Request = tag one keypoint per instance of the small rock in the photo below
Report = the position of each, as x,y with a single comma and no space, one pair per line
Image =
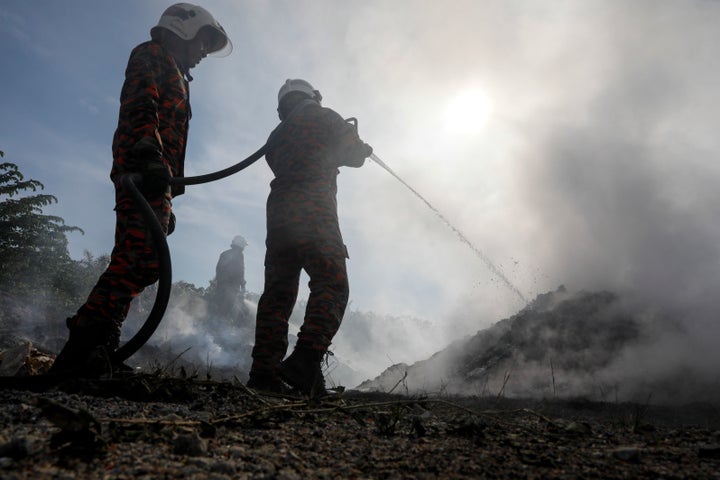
189,444
236,451
17,449
223,467
709,451
627,454
288,474
581,428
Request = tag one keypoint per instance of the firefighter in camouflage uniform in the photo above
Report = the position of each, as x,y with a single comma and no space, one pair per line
150,140
303,232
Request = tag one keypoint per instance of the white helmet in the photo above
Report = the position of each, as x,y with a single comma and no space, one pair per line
298,85
239,241
185,20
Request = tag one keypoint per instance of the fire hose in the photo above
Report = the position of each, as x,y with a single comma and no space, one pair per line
130,183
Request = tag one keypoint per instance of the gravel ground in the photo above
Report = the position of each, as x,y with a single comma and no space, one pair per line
147,427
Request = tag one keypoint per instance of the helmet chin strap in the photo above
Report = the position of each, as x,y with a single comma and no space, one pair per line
182,63
186,54
184,70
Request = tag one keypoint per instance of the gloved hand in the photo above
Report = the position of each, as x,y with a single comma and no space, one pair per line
148,157
155,178
368,150
171,224
147,150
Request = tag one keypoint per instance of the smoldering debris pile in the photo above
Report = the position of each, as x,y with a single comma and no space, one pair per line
587,344
596,345
24,359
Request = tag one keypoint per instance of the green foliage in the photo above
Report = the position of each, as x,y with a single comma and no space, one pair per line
33,246
187,289
35,265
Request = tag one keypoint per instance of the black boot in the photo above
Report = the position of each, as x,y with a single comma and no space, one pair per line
303,370
87,353
266,382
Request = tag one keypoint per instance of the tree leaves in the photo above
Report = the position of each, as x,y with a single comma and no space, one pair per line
34,258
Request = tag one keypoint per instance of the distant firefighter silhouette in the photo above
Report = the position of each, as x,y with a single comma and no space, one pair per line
230,284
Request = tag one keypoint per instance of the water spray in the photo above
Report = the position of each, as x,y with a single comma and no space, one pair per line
493,268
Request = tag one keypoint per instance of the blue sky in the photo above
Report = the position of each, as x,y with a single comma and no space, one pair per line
596,166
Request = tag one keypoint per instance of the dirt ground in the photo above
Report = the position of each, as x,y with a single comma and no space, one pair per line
147,427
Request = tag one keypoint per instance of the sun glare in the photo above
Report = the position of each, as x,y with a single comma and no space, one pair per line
468,111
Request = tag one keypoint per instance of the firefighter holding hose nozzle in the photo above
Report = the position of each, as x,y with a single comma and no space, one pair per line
303,233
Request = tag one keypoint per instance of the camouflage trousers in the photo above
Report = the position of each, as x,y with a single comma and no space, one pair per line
133,264
329,292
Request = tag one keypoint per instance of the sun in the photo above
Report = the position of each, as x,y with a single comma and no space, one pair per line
468,111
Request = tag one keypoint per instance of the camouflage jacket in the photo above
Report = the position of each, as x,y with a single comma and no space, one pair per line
154,102
305,153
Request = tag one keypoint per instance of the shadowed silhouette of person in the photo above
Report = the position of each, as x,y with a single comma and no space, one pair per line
230,284
306,152
150,141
